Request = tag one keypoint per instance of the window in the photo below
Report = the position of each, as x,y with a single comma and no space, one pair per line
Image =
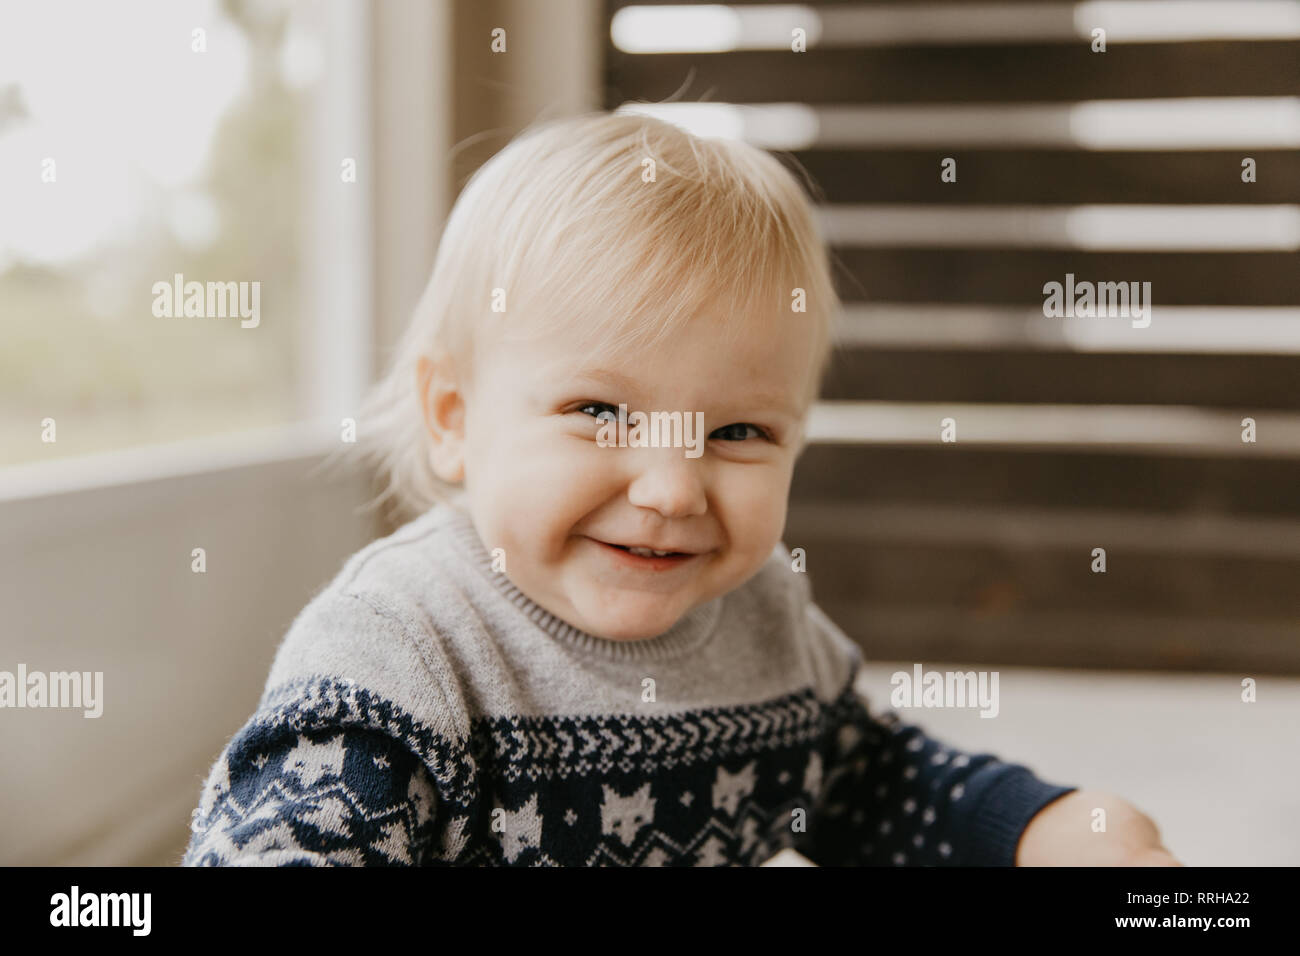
199,158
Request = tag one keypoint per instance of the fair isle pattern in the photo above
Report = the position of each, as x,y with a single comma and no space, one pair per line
321,703
544,748
328,773
342,798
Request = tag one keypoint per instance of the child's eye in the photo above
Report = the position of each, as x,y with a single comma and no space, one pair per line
605,411
725,429
735,432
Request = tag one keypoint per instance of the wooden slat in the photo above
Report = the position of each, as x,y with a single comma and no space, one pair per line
1099,640
986,583
1003,576
1249,382
952,474
1051,176
1020,529
1017,276
961,74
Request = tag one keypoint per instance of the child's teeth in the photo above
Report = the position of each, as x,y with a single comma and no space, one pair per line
648,552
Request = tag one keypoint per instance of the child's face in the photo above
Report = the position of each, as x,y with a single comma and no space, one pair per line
540,486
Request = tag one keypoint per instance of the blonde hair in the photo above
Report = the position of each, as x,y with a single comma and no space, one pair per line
614,228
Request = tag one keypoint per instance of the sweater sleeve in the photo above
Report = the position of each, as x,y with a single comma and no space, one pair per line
891,795
331,796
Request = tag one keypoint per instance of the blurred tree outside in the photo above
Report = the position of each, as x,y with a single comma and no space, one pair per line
78,340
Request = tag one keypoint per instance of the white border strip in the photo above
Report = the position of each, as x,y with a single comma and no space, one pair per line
718,28
1127,226
1211,330
1173,123
148,463
1151,428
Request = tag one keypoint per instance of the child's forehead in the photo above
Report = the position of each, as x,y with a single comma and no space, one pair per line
665,327
708,366
634,347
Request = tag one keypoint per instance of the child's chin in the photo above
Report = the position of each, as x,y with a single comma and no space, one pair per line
639,629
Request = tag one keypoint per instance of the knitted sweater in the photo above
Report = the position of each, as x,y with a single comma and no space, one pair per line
422,710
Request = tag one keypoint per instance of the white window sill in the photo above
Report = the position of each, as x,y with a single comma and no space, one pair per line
154,463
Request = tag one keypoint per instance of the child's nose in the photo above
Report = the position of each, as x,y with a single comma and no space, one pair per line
669,482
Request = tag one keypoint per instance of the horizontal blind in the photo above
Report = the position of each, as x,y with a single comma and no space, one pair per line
1073,432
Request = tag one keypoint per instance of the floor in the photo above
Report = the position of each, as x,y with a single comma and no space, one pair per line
1220,777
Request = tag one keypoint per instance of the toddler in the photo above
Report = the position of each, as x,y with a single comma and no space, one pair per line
583,651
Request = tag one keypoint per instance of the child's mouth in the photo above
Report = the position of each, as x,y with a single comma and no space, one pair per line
645,558
647,552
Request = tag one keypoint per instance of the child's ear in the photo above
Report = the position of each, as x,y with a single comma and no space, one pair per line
443,405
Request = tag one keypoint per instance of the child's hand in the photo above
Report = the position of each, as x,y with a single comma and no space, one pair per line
1062,834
